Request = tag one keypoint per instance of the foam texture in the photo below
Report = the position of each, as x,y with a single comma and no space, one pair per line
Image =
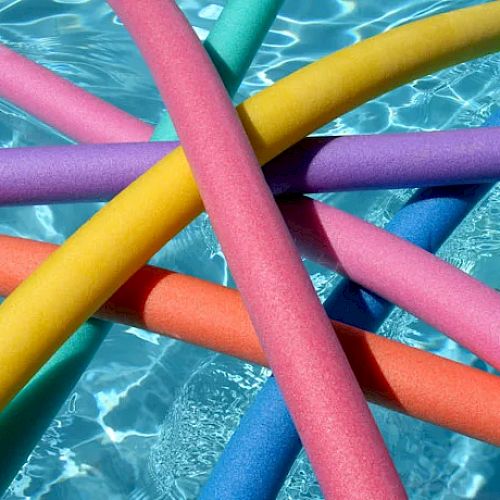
391,267
322,393
75,112
98,172
75,354
37,175
79,277
388,161
212,316
27,416
231,44
427,220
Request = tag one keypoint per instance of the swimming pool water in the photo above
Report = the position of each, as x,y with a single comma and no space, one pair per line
150,416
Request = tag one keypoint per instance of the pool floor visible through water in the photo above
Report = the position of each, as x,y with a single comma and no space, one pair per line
151,415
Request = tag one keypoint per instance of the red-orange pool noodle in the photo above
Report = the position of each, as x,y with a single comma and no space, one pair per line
391,374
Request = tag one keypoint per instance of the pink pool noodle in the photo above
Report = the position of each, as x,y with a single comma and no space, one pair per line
63,105
337,429
445,297
97,172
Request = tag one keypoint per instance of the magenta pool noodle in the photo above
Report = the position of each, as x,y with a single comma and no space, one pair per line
73,356
34,170
260,453
319,164
335,424
64,105
448,299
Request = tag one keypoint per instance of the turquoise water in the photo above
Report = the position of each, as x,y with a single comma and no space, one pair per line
150,416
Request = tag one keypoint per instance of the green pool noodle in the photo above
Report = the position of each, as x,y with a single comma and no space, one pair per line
232,44
28,415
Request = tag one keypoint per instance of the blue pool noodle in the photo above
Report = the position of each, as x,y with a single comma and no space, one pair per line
259,455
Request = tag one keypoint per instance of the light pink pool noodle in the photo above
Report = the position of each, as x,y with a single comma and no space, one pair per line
63,105
335,424
443,296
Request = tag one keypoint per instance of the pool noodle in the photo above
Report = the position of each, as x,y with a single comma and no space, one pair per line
387,161
84,274
438,291
74,112
77,351
33,87
232,44
319,164
246,469
86,118
87,172
320,388
27,416
213,316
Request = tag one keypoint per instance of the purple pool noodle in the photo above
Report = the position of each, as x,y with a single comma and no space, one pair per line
387,161
66,173
322,164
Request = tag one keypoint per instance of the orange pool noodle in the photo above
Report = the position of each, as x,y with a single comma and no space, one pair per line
405,379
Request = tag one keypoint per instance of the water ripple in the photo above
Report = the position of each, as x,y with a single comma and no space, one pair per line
150,416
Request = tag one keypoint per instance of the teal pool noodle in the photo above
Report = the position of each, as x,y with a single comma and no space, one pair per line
232,44
28,415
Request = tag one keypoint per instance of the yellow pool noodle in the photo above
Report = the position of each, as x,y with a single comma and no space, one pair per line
79,277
